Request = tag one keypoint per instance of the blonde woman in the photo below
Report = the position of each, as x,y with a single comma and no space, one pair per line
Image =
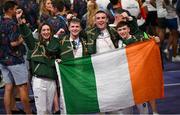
46,10
92,8
88,18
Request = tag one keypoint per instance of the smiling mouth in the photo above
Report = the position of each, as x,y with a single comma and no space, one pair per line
46,36
101,23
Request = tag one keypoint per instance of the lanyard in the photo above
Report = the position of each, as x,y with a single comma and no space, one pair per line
76,44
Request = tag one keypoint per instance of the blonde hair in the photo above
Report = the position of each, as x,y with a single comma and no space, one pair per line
43,9
92,8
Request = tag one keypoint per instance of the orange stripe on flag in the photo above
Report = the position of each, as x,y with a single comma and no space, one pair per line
146,71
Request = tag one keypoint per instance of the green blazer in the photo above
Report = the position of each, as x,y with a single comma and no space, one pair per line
140,36
61,47
93,33
41,65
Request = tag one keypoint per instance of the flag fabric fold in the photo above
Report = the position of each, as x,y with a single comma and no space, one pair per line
111,81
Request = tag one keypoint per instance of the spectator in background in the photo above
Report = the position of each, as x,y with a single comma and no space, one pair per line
46,10
102,5
88,19
134,7
151,20
58,21
172,25
31,9
178,9
161,31
67,4
79,8
12,64
1,9
112,6
31,13
161,14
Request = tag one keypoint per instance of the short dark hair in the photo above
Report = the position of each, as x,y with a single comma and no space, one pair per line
121,24
114,2
8,5
75,20
58,4
101,11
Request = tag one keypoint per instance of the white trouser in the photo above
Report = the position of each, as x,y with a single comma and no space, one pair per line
143,108
44,91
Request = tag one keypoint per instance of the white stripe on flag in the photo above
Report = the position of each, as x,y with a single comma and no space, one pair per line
113,90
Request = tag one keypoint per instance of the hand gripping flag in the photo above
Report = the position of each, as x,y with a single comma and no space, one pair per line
111,81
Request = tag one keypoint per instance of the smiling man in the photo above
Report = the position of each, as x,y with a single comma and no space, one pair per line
71,45
123,30
101,38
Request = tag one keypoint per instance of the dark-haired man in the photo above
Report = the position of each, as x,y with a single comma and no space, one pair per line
12,64
101,38
58,21
69,46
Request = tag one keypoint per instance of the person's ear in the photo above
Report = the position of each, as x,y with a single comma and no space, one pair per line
129,29
107,20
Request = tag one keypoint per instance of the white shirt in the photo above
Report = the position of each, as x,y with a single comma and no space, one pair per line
132,6
134,9
149,6
78,51
102,4
104,42
171,11
161,11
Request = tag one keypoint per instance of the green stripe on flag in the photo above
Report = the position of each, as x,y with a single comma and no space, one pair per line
79,86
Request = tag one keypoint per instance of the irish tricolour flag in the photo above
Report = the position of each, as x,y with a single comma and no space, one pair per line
112,80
